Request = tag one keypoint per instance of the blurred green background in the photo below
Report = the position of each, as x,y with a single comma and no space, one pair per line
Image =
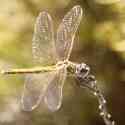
100,43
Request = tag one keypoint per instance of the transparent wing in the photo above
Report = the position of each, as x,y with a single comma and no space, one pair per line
53,97
66,32
43,40
34,89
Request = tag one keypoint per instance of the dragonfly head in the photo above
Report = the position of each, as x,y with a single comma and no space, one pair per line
82,70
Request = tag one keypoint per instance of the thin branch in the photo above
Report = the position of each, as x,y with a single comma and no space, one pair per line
90,83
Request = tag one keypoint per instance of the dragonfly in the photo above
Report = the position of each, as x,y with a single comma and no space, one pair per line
51,51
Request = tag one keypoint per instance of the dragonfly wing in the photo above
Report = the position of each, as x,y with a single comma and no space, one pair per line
34,89
66,32
43,40
53,97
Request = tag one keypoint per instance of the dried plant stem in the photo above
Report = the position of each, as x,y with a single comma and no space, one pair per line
90,83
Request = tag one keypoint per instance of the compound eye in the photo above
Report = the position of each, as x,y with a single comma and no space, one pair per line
82,70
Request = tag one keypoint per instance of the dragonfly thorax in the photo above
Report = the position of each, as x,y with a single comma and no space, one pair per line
70,66
62,63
